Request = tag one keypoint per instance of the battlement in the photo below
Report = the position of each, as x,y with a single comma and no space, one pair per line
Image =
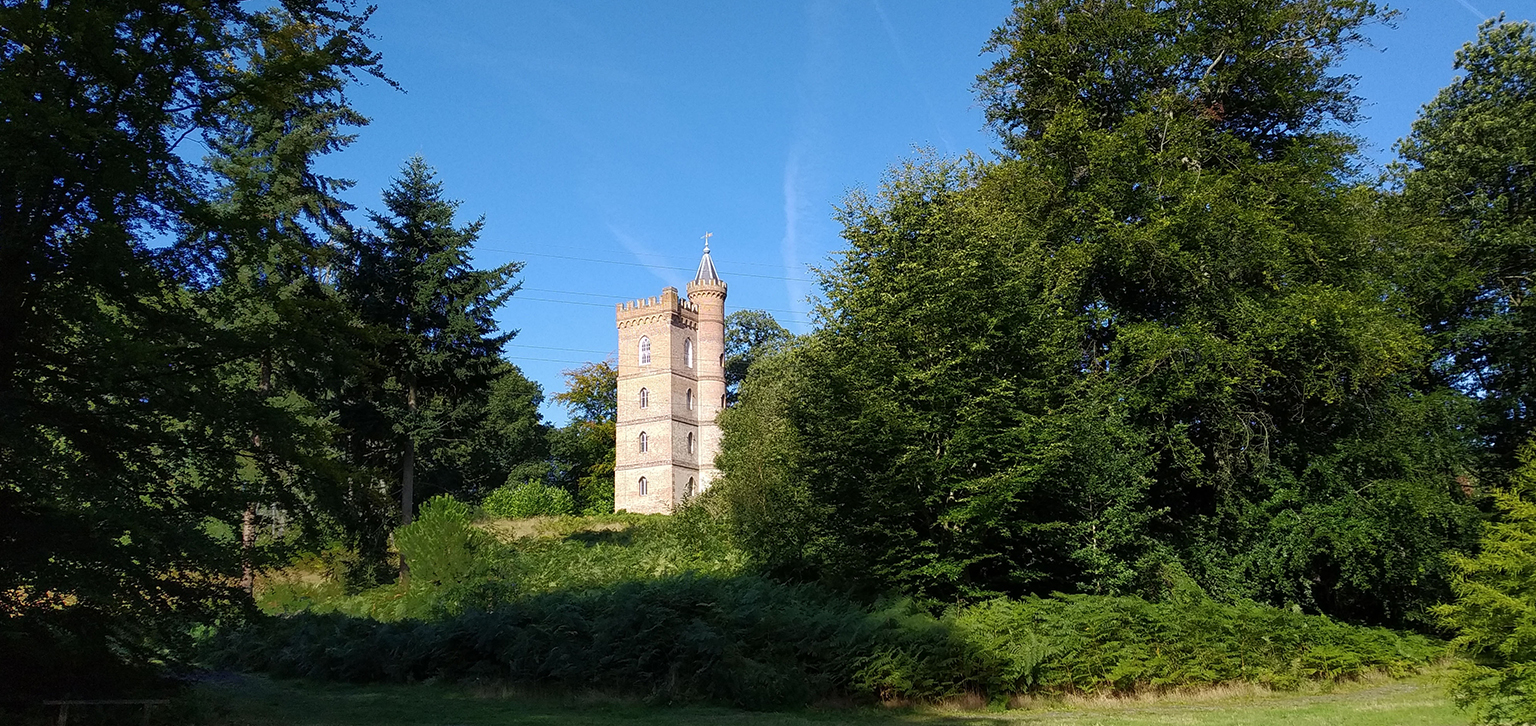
667,303
646,304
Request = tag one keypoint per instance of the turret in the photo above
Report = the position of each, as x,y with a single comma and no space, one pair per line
707,291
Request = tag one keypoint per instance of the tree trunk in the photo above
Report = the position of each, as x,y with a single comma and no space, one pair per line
408,477
248,518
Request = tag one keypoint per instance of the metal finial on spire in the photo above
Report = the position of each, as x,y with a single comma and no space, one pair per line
706,265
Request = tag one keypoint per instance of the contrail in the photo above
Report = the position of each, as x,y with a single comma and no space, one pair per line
1480,14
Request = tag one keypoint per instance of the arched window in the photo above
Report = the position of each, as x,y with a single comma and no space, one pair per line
689,399
645,351
645,398
688,488
722,360
690,444
644,444
688,352
643,487
722,400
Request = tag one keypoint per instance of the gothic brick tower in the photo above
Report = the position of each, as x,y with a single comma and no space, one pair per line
671,388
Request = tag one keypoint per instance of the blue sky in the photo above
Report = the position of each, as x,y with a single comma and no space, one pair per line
601,140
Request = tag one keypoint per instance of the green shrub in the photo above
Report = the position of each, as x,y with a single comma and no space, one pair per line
662,606
529,499
1495,609
440,546
745,641
757,643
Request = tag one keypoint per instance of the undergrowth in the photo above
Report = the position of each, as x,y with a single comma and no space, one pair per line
664,608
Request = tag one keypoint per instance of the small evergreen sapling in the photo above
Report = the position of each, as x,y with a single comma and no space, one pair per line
1495,608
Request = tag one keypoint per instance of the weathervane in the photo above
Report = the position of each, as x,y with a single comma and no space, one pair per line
706,237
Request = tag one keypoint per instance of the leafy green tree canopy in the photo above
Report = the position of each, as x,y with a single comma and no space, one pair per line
749,336
1470,161
121,427
1155,338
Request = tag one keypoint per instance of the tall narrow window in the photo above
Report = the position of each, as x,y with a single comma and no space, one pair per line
689,399
690,442
644,444
722,400
688,352
643,487
645,351
645,398
688,489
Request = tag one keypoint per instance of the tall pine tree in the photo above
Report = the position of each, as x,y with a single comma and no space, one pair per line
264,241
437,349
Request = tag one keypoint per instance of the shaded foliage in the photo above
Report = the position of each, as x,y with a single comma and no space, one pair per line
121,424
1158,332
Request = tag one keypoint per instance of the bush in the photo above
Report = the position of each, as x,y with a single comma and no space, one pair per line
529,499
757,643
1495,609
440,547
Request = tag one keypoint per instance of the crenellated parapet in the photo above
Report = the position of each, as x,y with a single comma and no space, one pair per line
666,307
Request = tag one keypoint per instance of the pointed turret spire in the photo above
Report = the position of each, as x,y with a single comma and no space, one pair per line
706,265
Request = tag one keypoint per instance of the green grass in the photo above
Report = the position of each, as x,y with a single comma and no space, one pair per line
258,701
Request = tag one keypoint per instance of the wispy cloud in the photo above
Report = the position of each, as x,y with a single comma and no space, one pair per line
789,247
906,64
644,255
1480,14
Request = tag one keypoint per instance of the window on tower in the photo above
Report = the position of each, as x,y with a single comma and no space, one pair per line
645,398
688,352
690,442
645,351
688,490
689,399
643,487
644,444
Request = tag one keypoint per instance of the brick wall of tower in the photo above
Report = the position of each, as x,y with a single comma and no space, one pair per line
667,420
710,299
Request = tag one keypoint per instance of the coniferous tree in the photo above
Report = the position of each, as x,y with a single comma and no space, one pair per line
119,428
1494,612
264,241
437,350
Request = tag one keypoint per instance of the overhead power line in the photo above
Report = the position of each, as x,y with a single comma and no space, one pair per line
568,350
629,263
617,300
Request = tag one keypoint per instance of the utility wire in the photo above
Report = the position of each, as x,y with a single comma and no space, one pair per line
628,263
621,300
797,319
568,350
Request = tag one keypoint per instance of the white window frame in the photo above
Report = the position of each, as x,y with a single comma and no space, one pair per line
645,398
644,487
645,443
645,350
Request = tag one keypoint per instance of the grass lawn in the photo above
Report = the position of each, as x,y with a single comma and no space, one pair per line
259,701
